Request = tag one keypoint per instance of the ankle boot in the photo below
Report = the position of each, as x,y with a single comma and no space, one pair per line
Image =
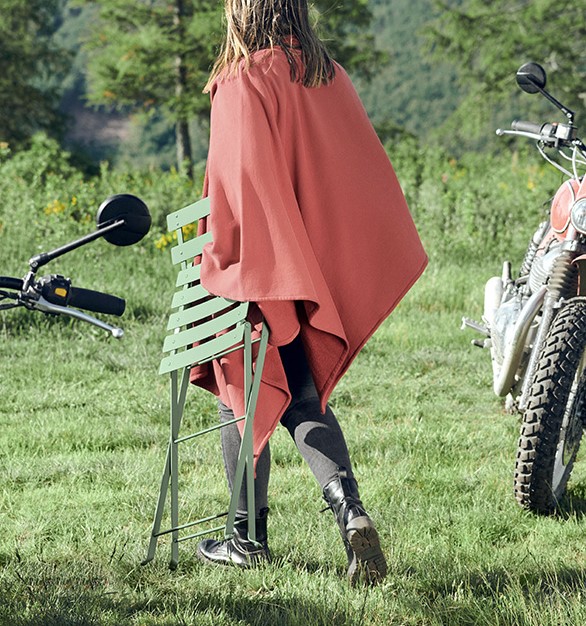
365,558
239,550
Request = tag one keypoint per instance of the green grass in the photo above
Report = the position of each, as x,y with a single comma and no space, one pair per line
83,425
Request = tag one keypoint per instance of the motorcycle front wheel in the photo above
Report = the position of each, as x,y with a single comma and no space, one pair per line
556,409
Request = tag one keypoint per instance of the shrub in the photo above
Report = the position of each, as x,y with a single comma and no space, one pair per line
476,206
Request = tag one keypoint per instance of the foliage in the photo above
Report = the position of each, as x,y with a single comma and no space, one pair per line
463,207
155,56
47,202
488,41
31,65
135,48
410,89
478,205
346,29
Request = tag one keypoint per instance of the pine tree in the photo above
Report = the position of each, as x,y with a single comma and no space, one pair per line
157,54
30,66
489,40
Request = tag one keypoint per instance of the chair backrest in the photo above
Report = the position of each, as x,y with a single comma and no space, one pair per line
202,326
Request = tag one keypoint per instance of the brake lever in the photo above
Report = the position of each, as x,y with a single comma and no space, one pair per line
45,306
6,295
521,133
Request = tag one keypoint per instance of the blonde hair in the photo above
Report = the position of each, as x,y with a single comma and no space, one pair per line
253,25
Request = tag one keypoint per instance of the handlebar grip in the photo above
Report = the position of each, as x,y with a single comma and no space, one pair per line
96,301
7,282
527,127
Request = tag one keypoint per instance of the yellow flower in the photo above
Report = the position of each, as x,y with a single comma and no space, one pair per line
189,230
164,240
54,208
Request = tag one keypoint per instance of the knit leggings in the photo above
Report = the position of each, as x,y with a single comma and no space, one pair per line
317,436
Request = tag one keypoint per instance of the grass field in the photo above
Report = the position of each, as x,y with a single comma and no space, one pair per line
83,425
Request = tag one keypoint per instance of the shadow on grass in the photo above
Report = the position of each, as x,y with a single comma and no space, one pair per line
573,505
46,594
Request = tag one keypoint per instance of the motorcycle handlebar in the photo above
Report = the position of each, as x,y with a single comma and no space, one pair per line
528,127
96,301
7,282
87,299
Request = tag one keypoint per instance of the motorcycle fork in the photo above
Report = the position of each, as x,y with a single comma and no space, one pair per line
563,283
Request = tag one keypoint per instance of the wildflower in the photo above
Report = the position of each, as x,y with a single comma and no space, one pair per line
189,230
164,240
54,208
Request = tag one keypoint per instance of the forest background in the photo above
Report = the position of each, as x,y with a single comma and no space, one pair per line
116,86
95,99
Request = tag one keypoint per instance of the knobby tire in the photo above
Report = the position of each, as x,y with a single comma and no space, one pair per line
540,481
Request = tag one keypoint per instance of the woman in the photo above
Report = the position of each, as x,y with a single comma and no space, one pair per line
310,224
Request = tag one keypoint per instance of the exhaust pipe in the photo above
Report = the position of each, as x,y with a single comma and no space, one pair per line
493,295
505,376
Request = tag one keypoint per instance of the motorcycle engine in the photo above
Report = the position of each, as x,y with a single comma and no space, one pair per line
541,268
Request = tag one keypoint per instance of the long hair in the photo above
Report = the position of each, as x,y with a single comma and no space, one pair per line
253,25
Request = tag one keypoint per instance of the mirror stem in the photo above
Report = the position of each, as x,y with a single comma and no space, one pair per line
569,114
45,257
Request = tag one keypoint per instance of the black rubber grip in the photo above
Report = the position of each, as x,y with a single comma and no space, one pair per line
96,301
7,282
527,127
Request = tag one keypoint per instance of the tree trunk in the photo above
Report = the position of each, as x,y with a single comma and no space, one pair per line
183,143
182,135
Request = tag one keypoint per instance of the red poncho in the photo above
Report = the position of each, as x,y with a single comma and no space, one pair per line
308,221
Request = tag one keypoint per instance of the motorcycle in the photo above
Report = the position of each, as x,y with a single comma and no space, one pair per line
534,323
122,220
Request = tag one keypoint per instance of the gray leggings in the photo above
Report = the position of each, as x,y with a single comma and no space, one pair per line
317,436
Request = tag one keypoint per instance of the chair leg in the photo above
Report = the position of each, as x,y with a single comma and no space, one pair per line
159,510
245,463
246,455
178,392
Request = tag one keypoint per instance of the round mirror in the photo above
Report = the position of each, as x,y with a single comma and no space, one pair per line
134,212
531,77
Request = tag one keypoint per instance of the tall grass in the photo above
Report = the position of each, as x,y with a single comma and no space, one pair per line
83,428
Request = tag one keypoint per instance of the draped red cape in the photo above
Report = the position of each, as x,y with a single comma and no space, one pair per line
308,221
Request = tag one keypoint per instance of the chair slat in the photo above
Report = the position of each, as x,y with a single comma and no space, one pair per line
189,249
189,296
206,329
188,275
188,214
202,352
198,312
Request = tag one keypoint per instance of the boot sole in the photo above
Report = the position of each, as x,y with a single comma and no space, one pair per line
368,562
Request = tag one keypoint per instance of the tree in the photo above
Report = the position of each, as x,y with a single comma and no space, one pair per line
345,28
490,39
156,55
30,66
150,55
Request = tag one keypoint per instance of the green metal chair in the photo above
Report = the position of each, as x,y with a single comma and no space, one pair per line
203,327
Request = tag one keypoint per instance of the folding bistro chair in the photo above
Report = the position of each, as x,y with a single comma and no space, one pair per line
203,327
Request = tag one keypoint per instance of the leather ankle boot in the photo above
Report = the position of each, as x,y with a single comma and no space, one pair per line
238,550
365,558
